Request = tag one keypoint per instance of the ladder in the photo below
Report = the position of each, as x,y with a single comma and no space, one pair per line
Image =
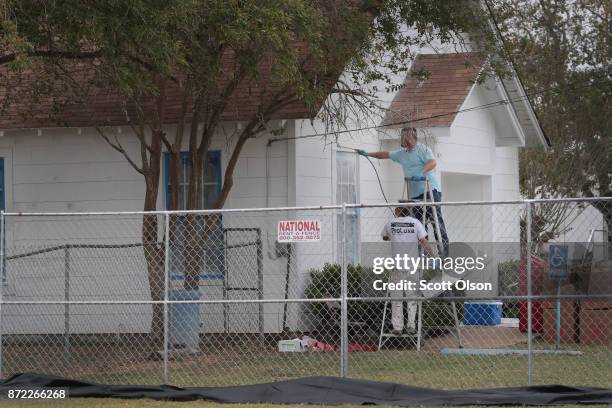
427,198
417,337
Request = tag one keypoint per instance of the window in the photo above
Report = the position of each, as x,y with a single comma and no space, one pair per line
213,260
346,192
211,184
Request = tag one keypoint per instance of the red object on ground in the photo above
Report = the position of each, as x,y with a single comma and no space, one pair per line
568,332
361,347
538,271
596,315
320,346
596,322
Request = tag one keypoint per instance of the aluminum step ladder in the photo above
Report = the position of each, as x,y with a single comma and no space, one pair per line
417,337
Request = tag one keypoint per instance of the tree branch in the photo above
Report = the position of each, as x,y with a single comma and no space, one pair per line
6,58
117,146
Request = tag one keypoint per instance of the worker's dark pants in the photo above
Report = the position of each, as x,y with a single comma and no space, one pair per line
417,212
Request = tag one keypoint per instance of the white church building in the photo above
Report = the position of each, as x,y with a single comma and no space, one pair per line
475,129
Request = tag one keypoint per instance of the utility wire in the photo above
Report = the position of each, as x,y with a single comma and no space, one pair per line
474,108
504,44
389,125
382,190
499,102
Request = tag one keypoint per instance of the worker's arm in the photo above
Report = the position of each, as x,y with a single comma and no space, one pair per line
422,237
427,157
425,245
377,155
385,232
429,166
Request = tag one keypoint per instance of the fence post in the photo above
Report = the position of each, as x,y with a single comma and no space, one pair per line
166,284
529,295
343,302
67,305
3,278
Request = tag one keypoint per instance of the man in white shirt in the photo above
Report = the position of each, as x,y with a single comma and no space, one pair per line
405,234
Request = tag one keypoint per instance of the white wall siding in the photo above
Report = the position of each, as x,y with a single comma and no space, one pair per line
66,170
61,170
585,219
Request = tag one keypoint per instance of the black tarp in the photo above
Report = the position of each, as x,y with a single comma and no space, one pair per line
322,390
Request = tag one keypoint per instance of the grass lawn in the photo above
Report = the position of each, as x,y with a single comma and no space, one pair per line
239,365
401,366
425,368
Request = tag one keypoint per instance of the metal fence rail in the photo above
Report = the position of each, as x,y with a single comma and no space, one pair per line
213,298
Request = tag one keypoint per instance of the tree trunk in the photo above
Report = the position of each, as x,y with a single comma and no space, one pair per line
193,251
153,247
193,247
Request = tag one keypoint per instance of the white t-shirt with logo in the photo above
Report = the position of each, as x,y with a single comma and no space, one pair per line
404,234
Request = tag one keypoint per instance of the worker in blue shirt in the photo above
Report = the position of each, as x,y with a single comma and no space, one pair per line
417,161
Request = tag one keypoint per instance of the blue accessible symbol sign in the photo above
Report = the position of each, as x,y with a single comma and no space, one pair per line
558,270
557,261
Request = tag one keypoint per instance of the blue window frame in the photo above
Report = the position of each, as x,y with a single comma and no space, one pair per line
213,259
211,184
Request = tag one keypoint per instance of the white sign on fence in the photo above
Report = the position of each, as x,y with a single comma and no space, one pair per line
299,231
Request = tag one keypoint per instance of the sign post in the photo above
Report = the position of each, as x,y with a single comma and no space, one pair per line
558,270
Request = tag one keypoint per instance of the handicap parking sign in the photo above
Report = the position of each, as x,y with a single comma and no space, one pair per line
557,261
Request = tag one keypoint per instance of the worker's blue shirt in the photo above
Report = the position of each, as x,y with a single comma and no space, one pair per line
412,162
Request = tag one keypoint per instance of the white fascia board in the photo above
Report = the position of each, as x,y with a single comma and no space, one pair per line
516,124
529,109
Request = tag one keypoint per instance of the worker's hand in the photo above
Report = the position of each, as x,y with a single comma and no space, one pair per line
362,153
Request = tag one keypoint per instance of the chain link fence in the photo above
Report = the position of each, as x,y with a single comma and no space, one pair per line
247,296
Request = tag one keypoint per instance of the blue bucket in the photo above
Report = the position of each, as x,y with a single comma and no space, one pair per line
184,320
482,313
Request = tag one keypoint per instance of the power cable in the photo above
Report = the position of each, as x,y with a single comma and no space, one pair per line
382,190
439,115
471,109
389,125
504,44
